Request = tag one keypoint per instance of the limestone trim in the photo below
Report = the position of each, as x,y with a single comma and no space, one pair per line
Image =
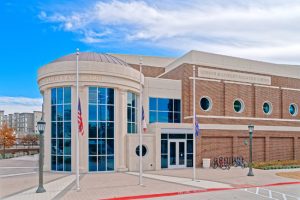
267,86
238,83
245,127
292,89
246,118
205,79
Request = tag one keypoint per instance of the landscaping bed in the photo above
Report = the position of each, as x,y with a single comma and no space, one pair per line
278,164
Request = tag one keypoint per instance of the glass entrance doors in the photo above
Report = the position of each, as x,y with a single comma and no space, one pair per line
177,155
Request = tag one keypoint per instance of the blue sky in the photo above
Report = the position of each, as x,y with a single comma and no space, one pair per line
37,32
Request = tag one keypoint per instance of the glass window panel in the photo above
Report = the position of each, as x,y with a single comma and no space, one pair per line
60,96
292,109
60,147
53,129
152,103
164,136
164,146
134,100
53,163
93,95
177,136
102,113
164,161
67,163
102,96
53,96
153,117
60,163
133,115
163,117
67,95
129,128
189,136
92,147
165,104
60,113
205,103
110,163
60,130
134,128
110,96
176,117
101,163
110,146
67,113
170,117
92,163
110,113
129,114
53,113
92,129
189,146
177,105
53,147
110,130
129,99
266,108
92,112
101,129
67,130
101,147
189,160
67,147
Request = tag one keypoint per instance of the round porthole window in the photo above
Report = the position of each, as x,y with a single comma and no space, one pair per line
205,103
293,109
144,150
267,108
238,106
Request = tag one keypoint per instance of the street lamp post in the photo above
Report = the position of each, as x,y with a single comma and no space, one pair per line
251,128
41,127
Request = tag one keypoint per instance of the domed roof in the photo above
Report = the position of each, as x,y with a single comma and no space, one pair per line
92,56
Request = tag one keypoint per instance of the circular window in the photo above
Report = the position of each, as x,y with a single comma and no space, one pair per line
267,108
144,150
238,106
293,109
205,103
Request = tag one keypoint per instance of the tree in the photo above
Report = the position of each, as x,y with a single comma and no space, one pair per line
7,137
29,139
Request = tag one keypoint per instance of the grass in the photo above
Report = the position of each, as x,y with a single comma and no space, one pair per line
294,175
278,164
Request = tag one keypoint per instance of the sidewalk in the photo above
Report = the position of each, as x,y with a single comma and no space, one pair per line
52,190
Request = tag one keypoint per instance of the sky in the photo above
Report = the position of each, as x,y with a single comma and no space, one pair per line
34,33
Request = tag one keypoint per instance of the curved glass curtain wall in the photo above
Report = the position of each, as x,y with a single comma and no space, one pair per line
61,129
101,129
131,113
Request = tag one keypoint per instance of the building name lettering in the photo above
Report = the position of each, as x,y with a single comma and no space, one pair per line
233,76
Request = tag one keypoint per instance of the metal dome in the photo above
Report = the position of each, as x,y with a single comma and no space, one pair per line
92,56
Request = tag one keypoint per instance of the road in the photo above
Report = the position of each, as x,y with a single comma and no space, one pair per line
283,192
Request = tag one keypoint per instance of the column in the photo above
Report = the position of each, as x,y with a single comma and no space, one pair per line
122,122
267,148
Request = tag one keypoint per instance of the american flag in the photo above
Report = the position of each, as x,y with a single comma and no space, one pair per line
197,127
143,120
80,122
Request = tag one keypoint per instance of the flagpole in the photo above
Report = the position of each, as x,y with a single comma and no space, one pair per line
140,126
194,126
77,125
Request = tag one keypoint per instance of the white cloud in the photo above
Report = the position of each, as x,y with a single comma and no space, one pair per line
266,30
20,104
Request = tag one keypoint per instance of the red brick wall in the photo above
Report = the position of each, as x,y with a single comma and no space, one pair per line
243,92
289,97
281,148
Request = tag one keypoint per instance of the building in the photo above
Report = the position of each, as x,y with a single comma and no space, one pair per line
231,93
22,123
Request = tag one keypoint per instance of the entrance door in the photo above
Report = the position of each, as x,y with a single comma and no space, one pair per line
177,154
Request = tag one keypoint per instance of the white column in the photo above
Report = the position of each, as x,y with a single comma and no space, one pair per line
122,122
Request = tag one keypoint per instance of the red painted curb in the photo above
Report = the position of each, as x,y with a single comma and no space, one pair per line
146,196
